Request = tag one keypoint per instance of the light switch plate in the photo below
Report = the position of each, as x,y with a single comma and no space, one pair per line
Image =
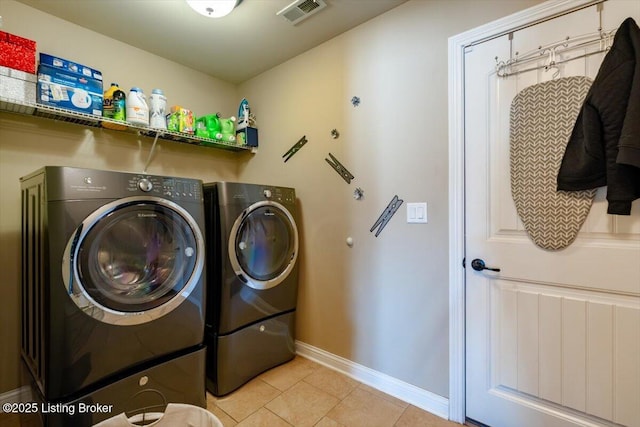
417,213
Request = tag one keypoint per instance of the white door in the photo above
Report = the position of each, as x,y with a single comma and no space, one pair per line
553,339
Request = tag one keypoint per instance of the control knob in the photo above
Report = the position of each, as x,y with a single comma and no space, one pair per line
267,194
145,185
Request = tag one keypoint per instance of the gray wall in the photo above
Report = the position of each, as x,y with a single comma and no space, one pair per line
382,303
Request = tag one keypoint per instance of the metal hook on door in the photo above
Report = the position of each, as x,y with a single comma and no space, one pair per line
552,63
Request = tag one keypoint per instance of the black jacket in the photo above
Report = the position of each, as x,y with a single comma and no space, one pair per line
604,148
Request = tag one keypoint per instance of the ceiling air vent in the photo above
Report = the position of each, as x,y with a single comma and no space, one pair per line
301,9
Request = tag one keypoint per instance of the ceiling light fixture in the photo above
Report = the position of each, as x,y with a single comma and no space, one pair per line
213,8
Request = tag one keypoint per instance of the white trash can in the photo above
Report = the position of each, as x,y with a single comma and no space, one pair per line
175,414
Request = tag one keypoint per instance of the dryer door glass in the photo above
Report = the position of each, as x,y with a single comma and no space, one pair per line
265,243
137,257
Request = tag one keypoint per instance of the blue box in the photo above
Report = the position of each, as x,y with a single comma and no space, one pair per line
69,91
71,67
247,137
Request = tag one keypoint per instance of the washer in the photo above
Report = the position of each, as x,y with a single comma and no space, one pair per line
252,252
112,275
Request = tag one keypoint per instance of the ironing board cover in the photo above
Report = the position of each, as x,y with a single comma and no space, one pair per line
176,414
542,117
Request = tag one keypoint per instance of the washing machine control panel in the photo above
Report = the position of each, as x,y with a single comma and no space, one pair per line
281,195
171,188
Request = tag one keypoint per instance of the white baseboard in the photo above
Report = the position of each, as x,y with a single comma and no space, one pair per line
17,395
416,396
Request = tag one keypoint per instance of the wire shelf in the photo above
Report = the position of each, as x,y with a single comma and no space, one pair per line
68,116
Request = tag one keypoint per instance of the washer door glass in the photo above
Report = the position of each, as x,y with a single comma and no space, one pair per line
265,245
133,260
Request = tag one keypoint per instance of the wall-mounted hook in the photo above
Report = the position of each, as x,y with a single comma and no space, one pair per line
552,65
358,193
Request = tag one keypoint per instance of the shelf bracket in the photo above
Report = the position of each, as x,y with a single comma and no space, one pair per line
151,152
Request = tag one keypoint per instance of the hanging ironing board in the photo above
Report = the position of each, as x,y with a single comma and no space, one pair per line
542,117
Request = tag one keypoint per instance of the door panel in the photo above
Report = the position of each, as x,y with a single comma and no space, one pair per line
551,338
560,345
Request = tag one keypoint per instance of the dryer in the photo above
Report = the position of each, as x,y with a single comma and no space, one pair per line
112,276
252,286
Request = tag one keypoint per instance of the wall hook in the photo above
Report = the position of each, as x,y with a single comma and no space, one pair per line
358,193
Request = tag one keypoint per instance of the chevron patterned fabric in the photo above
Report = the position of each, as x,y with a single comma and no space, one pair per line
541,120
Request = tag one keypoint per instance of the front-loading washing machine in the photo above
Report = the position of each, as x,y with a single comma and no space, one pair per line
252,281
112,276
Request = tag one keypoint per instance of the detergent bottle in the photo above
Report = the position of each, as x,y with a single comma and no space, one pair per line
137,108
227,130
114,106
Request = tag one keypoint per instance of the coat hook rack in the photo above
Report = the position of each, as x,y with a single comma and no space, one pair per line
603,39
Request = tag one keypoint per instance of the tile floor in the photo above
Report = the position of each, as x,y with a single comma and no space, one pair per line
304,393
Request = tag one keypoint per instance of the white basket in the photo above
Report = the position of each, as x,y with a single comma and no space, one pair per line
176,414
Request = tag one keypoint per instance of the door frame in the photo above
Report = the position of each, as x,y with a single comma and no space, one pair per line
457,46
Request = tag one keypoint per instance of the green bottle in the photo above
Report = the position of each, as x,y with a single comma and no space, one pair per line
119,106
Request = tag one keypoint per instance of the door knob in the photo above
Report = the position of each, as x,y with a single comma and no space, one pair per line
479,265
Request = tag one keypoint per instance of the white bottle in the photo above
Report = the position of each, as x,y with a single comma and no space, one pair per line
137,109
157,109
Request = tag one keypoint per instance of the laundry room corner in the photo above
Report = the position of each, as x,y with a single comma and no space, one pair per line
354,145
373,297
28,143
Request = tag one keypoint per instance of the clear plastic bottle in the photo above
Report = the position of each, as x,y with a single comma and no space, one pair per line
157,109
